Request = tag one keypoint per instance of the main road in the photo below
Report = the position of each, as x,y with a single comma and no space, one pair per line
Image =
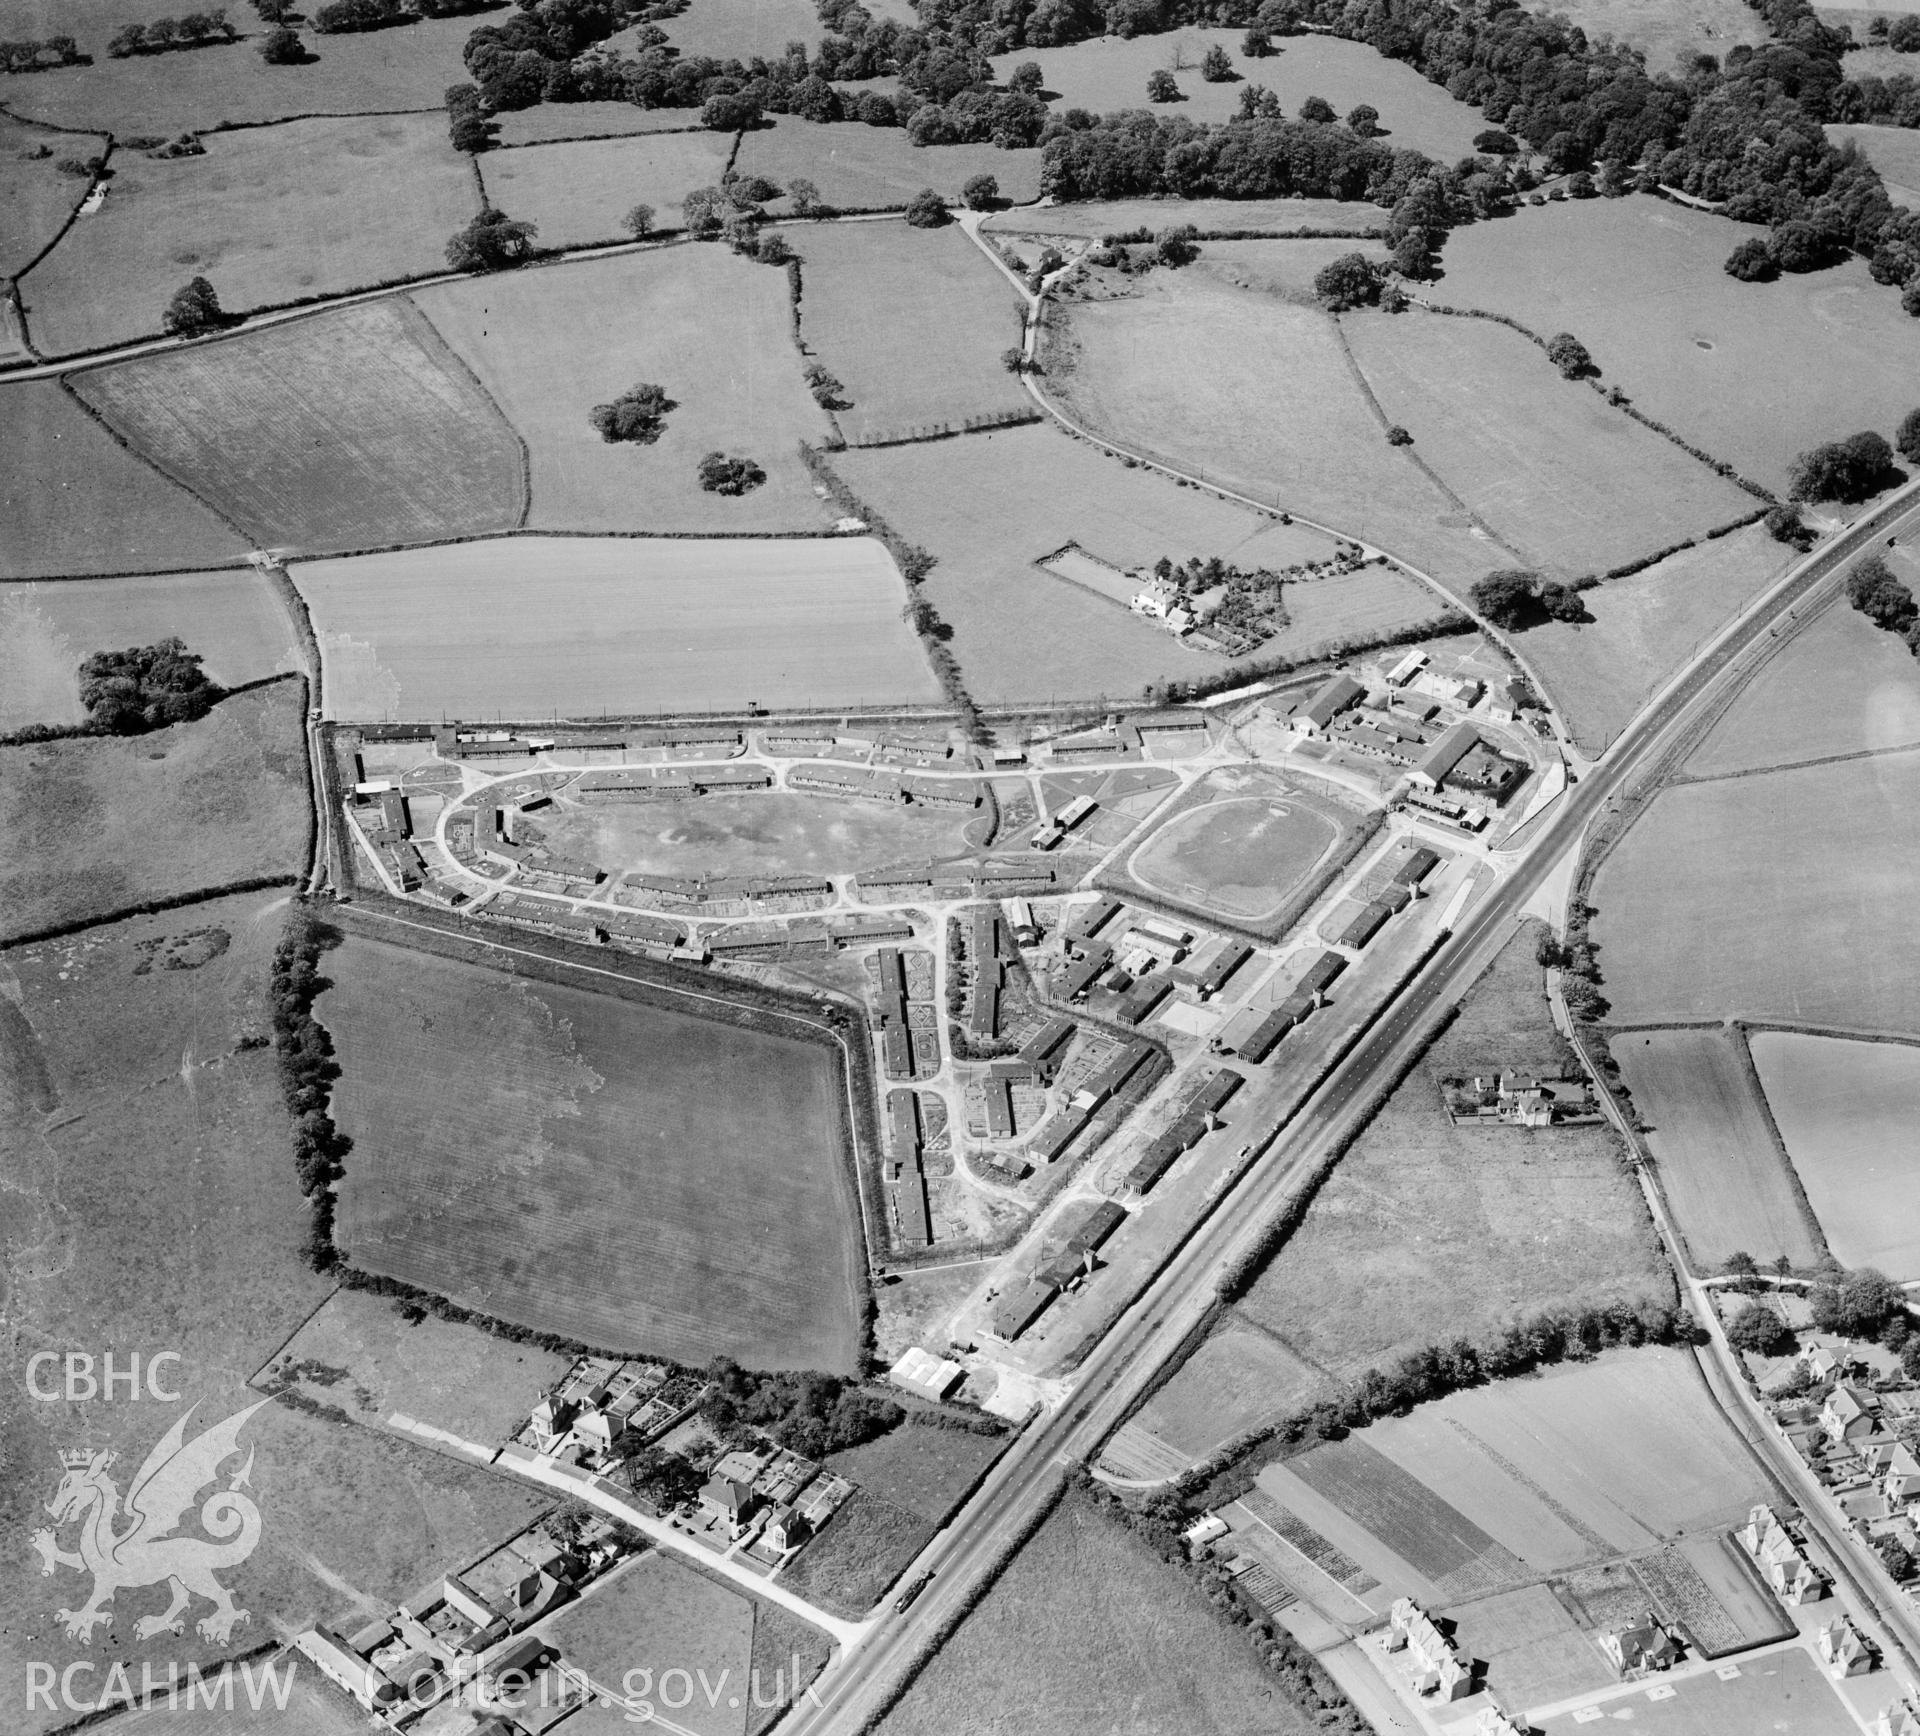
1150,1332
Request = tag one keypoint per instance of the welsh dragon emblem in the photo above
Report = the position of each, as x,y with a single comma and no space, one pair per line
139,1547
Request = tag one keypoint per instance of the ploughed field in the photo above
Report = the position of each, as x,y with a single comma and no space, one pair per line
630,1174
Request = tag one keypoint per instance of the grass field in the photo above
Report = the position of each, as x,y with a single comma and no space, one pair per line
1839,686
1891,150
1600,672
349,430
912,322
621,626
1847,1112
1257,395
73,500
1236,1380
758,832
36,196
1023,633
1533,1650
1665,29
922,1470
1782,1690
1773,879
92,826
740,29
1718,1163
1639,282
1561,476
272,215
1283,268
1087,1631
587,120
314,1708
381,71
231,618
590,1165
862,1550
712,328
1099,217
861,168
578,193
1111,73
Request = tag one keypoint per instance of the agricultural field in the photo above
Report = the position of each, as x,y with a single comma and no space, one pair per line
551,121
1846,1111
95,825
1891,150
1111,73
557,1157
269,216
622,625
1772,877
378,72
1098,217
38,196
712,328
1282,268
1601,672
1717,1156
1257,396
1639,282
231,618
74,500
1839,686
352,429
862,168
912,322
579,192
1088,1630
1545,462
1020,632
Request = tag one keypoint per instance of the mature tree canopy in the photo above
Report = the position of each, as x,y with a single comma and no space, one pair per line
1316,108
491,242
982,193
1507,598
1848,470
1758,1327
1753,261
1352,280
1882,598
1162,87
638,222
1907,436
281,46
1216,66
194,308
1363,119
720,474
927,210
146,687
1857,1304
638,414
1569,355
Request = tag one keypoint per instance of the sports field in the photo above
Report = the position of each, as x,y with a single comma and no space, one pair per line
578,193
1023,633
759,832
912,322
231,618
268,216
94,825
1892,151
1715,1153
1600,672
1240,856
621,625
1781,1690
1097,217
637,1177
861,168
1847,1112
1782,883
37,196
73,500
378,72
710,327
1639,282
1087,1631
1111,73
1545,461
1839,686
352,429
1257,395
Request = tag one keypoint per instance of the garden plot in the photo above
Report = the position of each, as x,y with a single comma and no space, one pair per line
622,625
352,429
579,193
231,618
862,168
74,500
913,322
268,215
1534,1651
1781,882
1847,1112
1560,475
1639,282
710,327
1720,1164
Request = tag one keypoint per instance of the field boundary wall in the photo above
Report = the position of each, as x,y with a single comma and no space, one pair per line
150,907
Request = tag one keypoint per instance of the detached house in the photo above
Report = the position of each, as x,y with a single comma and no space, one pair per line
1641,1650
1843,1649
1848,1414
730,1500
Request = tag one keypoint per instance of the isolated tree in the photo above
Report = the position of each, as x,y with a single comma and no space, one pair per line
720,474
1162,87
1216,66
1363,120
1178,246
1739,1264
1507,598
1352,280
638,415
281,46
752,190
773,250
1316,108
927,210
827,391
982,193
1759,1328
194,308
1257,44
1027,78
1398,436
1014,359
1894,1555
1848,470
146,687
804,196
638,222
1569,355
1753,261
493,241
